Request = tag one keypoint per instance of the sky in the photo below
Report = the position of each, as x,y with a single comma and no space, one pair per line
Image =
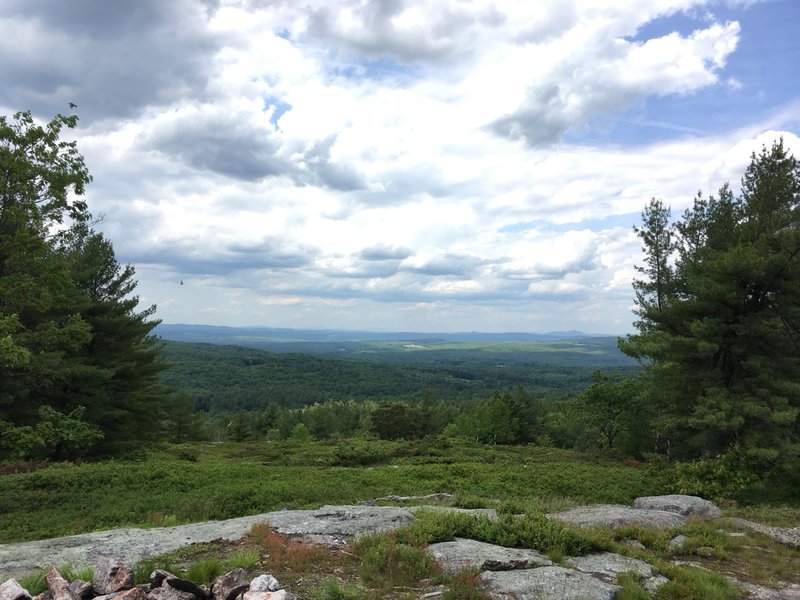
398,165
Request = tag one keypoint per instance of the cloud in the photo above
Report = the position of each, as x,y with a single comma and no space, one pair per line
618,73
404,31
212,138
392,164
113,59
381,252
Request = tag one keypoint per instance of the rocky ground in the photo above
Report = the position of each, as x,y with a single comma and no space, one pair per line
504,572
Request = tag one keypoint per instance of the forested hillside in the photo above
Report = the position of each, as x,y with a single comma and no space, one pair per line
226,378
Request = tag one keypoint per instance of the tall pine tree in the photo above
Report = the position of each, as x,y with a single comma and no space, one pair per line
721,352
70,334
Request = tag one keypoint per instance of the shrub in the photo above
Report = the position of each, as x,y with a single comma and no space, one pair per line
465,586
205,570
718,478
243,559
697,584
333,589
387,563
352,455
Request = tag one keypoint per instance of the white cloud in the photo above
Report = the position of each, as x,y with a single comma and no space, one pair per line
388,164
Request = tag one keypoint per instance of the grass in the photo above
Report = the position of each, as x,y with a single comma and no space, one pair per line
35,582
230,480
522,483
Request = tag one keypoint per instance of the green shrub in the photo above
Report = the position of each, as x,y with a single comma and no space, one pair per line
465,586
143,569
532,530
387,563
243,559
333,589
697,584
631,588
34,583
205,570
717,478
353,455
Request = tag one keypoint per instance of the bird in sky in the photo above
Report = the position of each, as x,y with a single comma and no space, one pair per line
73,106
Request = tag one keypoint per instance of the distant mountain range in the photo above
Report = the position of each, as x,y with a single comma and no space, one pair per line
215,334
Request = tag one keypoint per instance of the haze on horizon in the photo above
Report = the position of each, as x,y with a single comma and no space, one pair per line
395,165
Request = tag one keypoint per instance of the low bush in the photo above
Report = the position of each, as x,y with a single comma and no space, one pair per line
359,454
386,562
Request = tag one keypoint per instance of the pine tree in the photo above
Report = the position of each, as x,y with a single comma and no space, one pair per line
71,339
722,354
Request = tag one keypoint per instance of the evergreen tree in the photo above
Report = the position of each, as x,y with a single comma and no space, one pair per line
722,353
70,335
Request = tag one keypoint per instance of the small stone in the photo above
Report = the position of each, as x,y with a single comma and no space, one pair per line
706,551
677,543
157,578
276,595
12,590
111,575
59,586
132,594
636,544
82,589
230,585
190,587
166,592
265,583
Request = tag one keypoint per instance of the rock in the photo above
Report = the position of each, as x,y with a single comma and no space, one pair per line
651,584
546,583
230,585
82,589
789,536
265,583
462,553
277,595
435,497
635,544
12,590
760,592
134,545
677,543
58,586
615,516
489,513
111,575
190,587
705,551
609,566
688,506
340,520
158,577
166,592
132,594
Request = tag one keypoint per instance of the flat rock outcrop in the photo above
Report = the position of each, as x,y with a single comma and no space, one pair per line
131,545
615,516
464,553
789,536
546,583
